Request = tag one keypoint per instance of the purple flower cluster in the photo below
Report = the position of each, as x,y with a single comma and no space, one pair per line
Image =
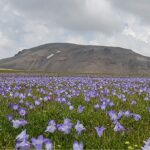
108,92
65,127
23,143
40,141
115,117
77,146
19,123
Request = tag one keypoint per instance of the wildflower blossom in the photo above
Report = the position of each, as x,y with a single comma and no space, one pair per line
80,108
15,106
18,123
22,111
96,106
77,146
22,141
10,117
118,127
133,102
79,127
51,127
22,136
38,143
71,107
127,113
23,145
113,115
65,127
37,102
48,144
147,145
137,117
100,130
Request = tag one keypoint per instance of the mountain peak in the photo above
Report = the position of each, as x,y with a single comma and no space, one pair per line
75,58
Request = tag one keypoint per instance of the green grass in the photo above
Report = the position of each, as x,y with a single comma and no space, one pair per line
2,70
136,131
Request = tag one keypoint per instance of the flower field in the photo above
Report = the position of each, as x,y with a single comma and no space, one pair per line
74,113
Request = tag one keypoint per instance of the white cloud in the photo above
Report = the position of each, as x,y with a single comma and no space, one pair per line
29,23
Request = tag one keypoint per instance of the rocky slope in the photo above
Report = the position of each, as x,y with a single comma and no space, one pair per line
65,57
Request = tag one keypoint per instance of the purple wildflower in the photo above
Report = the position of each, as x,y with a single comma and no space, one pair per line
37,102
51,127
48,144
22,111
113,115
96,106
79,127
147,145
118,127
77,146
22,136
66,126
111,104
10,117
127,113
23,145
31,106
21,96
21,101
15,106
133,102
120,114
21,141
106,92
103,106
80,108
18,123
16,94
87,98
137,117
38,143
100,130
27,104
71,107
124,99
146,98
45,98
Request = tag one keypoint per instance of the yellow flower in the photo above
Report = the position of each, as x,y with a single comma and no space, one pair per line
130,147
127,142
135,145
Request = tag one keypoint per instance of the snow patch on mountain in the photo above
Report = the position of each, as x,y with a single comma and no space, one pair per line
50,56
58,51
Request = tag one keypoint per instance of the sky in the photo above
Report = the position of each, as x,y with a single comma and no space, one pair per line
28,23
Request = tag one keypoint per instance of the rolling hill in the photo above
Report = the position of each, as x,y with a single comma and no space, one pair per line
73,58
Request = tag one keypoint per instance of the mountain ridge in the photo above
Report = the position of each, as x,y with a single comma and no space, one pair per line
69,57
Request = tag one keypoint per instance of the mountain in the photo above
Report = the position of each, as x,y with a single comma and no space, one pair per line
73,58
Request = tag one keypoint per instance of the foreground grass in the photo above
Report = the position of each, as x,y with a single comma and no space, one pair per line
136,131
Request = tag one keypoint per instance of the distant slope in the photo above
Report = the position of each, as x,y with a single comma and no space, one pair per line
65,57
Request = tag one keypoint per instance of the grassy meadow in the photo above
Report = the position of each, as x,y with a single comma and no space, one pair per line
120,105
